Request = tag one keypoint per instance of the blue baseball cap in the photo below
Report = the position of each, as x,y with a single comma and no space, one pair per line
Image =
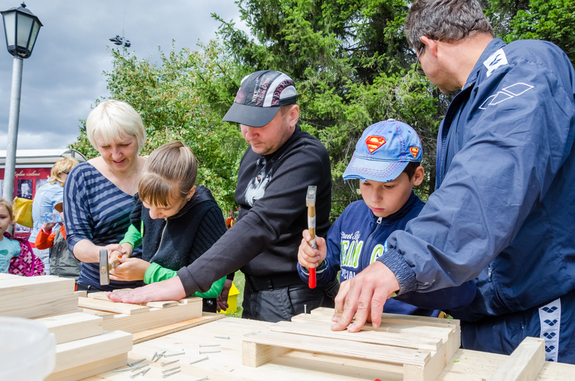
383,151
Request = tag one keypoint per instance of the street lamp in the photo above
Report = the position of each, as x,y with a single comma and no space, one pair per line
21,28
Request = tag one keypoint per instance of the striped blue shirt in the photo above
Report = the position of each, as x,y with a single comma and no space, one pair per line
97,210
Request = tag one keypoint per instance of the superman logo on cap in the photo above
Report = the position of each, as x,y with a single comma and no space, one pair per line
414,151
374,142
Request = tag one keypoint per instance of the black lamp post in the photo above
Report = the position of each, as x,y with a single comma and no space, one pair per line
21,28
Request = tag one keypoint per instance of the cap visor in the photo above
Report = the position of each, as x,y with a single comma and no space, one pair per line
381,171
250,115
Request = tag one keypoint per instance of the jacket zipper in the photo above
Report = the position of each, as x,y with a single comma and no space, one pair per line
370,238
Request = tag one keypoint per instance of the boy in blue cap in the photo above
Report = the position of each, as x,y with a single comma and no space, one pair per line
387,161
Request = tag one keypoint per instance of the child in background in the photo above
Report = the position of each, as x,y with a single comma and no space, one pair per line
387,161
62,262
173,220
16,255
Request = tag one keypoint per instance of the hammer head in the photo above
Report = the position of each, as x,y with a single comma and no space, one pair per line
104,268
311,195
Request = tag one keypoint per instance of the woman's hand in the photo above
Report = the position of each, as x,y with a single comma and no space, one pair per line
129,269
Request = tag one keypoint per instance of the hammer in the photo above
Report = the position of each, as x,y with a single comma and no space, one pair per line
310,203
106,266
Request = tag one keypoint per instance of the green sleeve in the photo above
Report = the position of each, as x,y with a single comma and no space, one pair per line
157,273
214,291
132,236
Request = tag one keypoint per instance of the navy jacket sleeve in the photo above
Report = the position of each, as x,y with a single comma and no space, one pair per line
512,151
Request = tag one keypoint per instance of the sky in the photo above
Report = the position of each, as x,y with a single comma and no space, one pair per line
64,75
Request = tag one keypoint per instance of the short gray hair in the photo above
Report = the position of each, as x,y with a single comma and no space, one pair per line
113,120
445,20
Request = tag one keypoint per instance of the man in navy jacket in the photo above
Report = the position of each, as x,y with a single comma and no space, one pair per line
504,203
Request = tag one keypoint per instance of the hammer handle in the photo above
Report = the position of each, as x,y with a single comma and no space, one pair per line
311,229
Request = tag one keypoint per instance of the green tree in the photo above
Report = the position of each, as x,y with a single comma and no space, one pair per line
183,98
352,68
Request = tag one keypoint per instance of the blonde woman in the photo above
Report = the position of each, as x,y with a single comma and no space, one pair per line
99,194
46,197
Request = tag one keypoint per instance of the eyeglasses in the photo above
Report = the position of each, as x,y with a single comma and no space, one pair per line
417,64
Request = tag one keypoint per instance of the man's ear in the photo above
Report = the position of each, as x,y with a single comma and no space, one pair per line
294,115
417,178
191,193
430,45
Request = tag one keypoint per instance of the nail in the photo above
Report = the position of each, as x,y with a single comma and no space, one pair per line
202,379
137,374
153,357
170,362
122,370
160,356
175,354
136,362
169,370
222,337
169,374
204,352
194,362
138,367
305,309
209,345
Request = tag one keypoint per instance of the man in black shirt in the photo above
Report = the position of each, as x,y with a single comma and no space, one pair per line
278,166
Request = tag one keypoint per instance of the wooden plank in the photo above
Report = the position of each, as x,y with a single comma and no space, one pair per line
109,306
524,364
103,314
175,327
321,329
337,347
90,369
74,326
85,351
154,317
103,295
33,306
254,354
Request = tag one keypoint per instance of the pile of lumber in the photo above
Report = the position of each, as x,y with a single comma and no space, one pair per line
83,347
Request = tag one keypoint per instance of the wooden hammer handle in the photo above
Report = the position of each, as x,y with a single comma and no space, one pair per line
311,229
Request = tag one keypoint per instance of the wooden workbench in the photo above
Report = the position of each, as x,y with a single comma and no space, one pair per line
227,364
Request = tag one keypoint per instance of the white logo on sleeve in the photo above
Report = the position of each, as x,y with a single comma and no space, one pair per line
505,94
494,61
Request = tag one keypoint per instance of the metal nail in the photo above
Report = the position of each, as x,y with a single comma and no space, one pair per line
169,374
194,362
305,309
175,354
222,337
169,362
145,371
137,374
202,379
204,352
122,370
138,367
160,356
169,370
154,356
136,362
209,345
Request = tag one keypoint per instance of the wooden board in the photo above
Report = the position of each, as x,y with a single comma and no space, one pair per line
74,326
175,327
109,306
90,369
524,364
30,297
85,351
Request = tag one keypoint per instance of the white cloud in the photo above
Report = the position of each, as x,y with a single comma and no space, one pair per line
63,77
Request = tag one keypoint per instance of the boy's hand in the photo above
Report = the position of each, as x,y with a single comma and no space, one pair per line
129,269
308,257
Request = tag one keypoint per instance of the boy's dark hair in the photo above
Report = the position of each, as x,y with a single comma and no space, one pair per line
411,167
